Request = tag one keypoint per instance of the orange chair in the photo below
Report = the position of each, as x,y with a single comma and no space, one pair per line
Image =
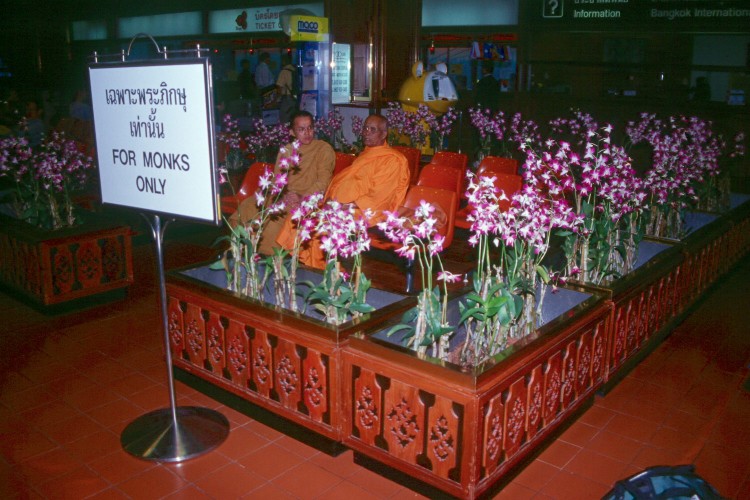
343,160
445,199
413,156
498,165
442,177
248,187
510,184
451,159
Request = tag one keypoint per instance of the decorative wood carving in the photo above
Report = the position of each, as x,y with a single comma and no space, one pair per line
444,430
367,407
315,383
404,425
238,353
262,359
215,350
175,321
51,267
552,388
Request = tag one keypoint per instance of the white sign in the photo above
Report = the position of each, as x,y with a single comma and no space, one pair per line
341,92
153,124
257,19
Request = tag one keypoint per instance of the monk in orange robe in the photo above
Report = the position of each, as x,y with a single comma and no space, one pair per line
377,180
317,160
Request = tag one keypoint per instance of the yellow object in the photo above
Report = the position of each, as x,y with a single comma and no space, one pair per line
434,89
308,29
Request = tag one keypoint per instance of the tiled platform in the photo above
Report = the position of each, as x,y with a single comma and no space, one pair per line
70,383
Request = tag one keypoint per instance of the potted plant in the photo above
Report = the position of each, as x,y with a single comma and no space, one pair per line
480,378
52,251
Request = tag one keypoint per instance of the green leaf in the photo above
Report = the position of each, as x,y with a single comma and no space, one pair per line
399,328
217,265
362,308
474,312
542,272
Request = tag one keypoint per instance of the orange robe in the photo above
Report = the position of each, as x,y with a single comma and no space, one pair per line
377,180
317,160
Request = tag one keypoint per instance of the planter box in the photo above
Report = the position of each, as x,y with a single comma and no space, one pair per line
715,243
645,303
464,430
59,267
285,362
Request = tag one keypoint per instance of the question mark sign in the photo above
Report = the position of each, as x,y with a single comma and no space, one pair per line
554,4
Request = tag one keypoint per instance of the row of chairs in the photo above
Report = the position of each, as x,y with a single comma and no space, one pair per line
440,183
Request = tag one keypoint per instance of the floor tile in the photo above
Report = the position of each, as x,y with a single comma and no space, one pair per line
71,429
94,445
199,467
342,465
347,491
597,467
307,480
632,427
535,475
559,453
242,442
615,446
48,465
268,491
119,466
112,493
579,434
156,482
79,483
230,481
297,447
567,486
597,416
515,491
190,492
270,461
374,483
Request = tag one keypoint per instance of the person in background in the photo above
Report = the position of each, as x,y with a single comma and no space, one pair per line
487,90
377,181
313,174
263,75
285,86
33,125
80,109
245,81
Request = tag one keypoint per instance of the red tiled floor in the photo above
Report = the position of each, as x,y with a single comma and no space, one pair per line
536,475
78,380
307,480
230,481
559,453
78,483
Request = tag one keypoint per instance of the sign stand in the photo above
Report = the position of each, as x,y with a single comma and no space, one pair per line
176,433
131,177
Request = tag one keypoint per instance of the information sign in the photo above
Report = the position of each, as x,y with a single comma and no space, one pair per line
341,91
153,123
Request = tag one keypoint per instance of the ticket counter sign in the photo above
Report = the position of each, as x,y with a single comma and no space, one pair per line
153,125
308,28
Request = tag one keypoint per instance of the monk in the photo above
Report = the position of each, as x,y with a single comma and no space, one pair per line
313,174
377,180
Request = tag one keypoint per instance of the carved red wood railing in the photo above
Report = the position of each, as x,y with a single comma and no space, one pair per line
56,267
280,361
462,432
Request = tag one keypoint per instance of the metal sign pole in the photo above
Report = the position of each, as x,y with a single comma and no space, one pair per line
176,433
